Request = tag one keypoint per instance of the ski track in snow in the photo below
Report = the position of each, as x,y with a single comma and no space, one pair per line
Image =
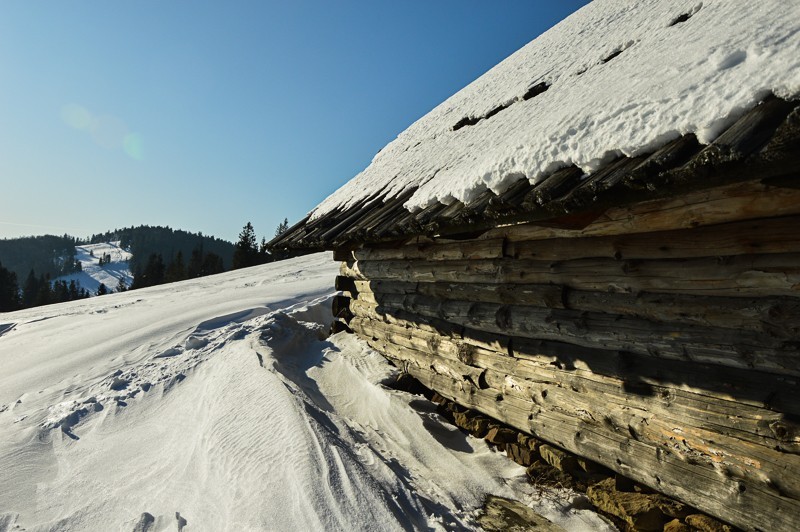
218,404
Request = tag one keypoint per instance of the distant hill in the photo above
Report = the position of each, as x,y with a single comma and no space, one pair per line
115,267
42,270
144,240
47,255
65,256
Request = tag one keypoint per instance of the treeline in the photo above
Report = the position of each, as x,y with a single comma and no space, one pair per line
48,255
246,252
156,271
144,241
160,255
37,291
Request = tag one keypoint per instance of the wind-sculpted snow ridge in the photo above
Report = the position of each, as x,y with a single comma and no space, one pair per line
220,404
616,78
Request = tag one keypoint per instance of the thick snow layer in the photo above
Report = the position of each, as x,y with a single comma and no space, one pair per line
624,77
218,404
92,274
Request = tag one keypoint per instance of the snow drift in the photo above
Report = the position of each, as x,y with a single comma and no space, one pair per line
219,404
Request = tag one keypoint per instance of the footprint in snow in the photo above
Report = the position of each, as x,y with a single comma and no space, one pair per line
119,384
145,523
195,342
181,521
169,353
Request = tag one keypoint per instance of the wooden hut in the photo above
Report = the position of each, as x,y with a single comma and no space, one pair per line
645,316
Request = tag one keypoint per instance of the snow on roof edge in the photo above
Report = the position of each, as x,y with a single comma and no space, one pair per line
615,78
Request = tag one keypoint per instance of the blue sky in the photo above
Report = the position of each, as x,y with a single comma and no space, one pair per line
205,115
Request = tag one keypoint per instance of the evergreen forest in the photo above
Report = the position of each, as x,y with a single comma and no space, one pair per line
47,255
144,241
30,266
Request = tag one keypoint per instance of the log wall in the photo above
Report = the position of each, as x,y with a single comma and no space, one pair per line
661,340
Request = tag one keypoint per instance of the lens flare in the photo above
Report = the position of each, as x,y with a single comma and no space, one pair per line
76,116
107,131
133,146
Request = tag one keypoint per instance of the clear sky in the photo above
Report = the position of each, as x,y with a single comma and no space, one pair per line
205,115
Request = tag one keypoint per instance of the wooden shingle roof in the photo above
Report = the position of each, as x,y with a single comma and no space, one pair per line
764,144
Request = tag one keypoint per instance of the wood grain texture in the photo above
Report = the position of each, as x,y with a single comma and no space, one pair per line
664,456
661,339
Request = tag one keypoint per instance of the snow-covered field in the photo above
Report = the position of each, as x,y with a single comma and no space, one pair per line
218,404
92,274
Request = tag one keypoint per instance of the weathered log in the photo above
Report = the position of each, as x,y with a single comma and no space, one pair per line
750,132
732,203
774,315
342,254
777,316
470,249
428,343
340,326
681,420
658,425
673,154
390,209
555,185
346,268
694,407
776,235
748,501
736,348
640,373
345,284
443,366
389,287
341,308
748,275
341,221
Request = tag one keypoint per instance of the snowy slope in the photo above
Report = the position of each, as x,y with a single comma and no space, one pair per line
92,274
623,77
218,404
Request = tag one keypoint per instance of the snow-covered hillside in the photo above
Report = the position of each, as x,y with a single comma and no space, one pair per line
218,404
93,274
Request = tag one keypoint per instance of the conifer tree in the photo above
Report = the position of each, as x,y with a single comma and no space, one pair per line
9,290
45,295
30,290
121,286
246,252
176,270
195,267
153,273
73,290
60,292
101,290
212,263
282,227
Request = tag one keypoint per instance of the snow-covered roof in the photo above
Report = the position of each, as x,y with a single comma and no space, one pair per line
619,78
